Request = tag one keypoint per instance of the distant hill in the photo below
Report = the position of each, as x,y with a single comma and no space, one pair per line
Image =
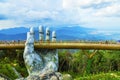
12,31
63,33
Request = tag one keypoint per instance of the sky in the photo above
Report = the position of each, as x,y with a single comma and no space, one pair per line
99,14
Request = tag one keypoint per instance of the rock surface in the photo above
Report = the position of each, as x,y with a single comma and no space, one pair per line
3,77
45,76
39,61
67,77
42,64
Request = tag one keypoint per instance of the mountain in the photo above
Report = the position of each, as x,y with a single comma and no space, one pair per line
63,33
13,31
7,37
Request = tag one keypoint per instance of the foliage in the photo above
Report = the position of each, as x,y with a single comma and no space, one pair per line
79,63
100,76
12,59
6,69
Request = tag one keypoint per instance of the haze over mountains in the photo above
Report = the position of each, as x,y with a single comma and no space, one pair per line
63,33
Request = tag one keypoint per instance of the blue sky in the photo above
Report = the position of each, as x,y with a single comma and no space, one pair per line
100,14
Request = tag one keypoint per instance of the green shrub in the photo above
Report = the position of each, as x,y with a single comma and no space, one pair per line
77,63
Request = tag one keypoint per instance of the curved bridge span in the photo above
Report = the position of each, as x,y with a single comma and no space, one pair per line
63,45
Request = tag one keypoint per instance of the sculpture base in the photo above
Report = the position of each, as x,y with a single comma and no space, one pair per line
44,76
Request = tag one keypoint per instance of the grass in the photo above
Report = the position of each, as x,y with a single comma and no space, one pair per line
100,76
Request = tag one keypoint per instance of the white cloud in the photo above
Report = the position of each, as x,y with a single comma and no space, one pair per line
85,3
113,10
89,13
101,14
7,24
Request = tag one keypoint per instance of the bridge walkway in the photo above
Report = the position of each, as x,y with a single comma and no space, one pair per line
63,45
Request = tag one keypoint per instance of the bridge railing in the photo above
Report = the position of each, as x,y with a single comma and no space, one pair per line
63,45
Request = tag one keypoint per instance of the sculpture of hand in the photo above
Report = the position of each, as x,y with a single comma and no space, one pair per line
40,60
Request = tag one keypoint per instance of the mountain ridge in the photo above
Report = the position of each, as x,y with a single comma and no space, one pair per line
63,33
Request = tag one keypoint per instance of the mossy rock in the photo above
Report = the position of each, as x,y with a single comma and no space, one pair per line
3,77
67,77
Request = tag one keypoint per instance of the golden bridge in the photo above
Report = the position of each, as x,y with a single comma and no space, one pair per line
63,45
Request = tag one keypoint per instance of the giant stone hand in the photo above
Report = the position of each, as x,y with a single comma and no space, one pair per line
41,60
